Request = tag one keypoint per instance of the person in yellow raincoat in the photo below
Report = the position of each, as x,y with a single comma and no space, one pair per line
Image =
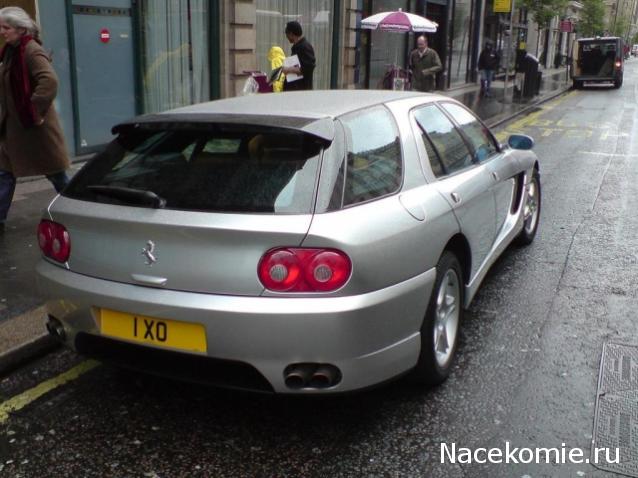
276,57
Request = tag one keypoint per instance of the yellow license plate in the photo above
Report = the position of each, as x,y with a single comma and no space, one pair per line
151,330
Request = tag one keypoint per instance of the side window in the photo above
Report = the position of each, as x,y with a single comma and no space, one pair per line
453,154
374,167
478,134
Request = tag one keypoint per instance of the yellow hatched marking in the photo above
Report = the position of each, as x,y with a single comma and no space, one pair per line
531,119
25,398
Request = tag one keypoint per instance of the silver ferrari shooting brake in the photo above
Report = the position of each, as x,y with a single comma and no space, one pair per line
308,242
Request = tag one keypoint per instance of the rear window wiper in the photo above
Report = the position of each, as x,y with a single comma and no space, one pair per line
129,195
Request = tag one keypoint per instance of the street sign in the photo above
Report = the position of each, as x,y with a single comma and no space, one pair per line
502,6
566,26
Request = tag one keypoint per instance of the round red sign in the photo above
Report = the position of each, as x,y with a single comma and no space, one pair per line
105,35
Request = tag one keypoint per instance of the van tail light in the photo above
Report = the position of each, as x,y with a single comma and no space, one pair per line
54,240
618,64
290,269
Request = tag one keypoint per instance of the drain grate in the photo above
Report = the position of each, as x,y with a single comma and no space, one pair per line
616,422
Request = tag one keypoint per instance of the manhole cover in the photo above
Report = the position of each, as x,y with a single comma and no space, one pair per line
615,442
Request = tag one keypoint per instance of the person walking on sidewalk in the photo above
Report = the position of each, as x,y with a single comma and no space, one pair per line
31,140
488,63
424,65
306,54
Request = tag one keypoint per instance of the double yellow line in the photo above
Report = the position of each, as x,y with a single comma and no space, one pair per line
25,398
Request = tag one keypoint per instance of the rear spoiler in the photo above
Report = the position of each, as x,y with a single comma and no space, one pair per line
322,128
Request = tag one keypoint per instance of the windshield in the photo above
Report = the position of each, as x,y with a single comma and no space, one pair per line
205,169
601,47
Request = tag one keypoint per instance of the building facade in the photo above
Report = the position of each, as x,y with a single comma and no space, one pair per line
120,58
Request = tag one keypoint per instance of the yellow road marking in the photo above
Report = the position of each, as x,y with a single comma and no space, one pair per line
532,118
25,398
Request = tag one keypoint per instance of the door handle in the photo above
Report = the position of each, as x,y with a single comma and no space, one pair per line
495,175
456,197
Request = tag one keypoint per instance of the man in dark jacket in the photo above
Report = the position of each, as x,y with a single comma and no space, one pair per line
306,54
487,65
424,65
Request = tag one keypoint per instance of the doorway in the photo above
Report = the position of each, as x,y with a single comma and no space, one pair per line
103,69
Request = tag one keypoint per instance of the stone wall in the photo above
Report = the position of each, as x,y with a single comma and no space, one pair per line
239,36
238,44
348,45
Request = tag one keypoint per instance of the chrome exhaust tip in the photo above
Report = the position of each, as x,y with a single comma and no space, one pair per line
297,376
56,329
324,377
311,376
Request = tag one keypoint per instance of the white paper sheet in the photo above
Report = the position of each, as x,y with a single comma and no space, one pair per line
290,61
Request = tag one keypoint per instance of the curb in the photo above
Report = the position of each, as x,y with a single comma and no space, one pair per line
17,356
545,99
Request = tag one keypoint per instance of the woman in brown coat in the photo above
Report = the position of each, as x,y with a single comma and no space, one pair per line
31,140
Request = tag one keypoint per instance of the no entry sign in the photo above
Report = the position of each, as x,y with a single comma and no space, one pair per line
105,35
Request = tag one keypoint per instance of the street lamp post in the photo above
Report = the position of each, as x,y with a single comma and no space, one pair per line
509,50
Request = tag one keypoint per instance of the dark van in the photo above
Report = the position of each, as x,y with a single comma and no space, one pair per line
597,60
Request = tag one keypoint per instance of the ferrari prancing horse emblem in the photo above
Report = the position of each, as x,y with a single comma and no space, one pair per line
148,253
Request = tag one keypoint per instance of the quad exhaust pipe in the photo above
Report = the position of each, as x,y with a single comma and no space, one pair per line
311,376
56,329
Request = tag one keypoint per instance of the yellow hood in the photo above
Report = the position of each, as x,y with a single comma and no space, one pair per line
276,57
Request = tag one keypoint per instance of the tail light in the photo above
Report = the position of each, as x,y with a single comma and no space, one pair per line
289,269
618,64
54,240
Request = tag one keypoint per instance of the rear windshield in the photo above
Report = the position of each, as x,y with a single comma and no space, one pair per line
215,169
602,47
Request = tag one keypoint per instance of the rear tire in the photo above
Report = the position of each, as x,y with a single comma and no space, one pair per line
531,211
441,325
618,83
578,84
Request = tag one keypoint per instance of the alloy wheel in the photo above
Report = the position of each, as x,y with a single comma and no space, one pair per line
530,212
447,317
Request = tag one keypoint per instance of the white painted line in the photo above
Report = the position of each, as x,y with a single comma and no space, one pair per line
610,154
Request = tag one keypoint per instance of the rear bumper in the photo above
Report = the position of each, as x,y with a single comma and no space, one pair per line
598,79
371,338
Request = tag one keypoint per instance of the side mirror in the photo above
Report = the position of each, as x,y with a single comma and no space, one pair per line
520,141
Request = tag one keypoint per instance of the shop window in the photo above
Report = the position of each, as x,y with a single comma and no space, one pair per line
461,40
316,21
175,59
387,49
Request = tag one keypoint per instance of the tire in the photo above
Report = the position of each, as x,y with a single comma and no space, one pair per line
618,83
578,84
441,325
531,211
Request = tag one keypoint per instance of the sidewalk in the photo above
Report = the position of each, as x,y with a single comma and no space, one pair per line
495,110
24,337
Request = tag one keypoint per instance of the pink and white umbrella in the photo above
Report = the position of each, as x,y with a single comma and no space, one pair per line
400,21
